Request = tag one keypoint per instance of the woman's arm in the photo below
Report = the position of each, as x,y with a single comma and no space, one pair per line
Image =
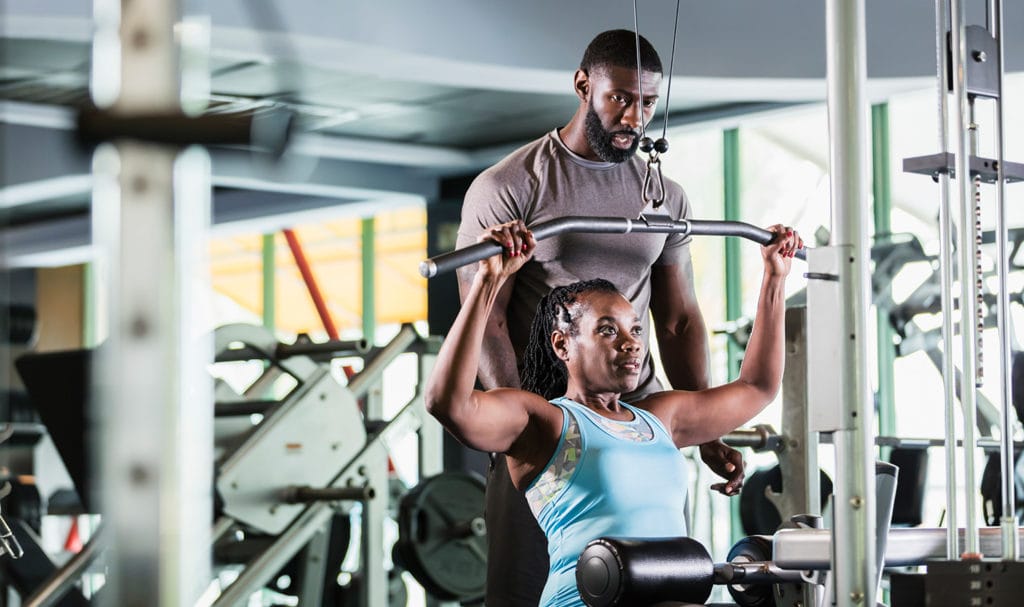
492,420
698,417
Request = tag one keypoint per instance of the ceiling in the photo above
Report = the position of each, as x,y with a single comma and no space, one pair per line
392,97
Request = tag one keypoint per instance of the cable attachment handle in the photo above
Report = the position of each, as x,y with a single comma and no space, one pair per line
654,190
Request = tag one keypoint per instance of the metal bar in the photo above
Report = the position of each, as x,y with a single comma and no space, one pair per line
151,214
854,566
313,518
331,349
369,267
431,433
447,262
946,281
733,265
293,495
966,250
755,572
269,282
1008,522
809,549
51,591
311,283
880,185
221,527
374,368
759,438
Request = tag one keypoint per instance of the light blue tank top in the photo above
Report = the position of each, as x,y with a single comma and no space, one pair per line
607,478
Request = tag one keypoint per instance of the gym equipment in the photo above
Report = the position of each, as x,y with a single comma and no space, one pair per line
614,571
17,324
657,224
758,514
362,474
642,572
443,537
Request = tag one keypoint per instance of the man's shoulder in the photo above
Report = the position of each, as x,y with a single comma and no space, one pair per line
524,158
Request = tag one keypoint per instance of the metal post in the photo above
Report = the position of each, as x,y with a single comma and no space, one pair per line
1008,522
733,277
151,216
966,250
269,282
799,456
882,206
369,232
947,277
733,268
854,565
431,434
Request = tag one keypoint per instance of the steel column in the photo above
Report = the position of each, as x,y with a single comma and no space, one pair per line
880,186
854,565
151,217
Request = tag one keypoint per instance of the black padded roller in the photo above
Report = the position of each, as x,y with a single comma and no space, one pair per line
643,572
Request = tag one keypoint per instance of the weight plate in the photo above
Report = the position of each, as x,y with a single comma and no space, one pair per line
751,549
442,538
758,514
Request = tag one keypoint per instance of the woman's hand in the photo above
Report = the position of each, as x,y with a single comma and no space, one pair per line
778,254
518,246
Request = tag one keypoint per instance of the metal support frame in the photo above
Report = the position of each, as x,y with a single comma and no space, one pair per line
882,206
151,216
854,566
369,469
369,278
733,265
269,259
810,549
967,250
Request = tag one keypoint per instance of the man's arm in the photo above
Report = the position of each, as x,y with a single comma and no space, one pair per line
683,343
679,326
497,368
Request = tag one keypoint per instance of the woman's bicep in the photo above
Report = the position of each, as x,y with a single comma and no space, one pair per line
709,414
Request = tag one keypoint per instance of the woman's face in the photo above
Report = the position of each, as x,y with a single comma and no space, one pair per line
606,352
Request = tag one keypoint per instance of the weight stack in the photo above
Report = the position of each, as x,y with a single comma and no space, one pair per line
990,583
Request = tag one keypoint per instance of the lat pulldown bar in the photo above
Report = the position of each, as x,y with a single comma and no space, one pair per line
447,262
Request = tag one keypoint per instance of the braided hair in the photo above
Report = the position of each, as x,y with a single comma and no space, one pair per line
544,373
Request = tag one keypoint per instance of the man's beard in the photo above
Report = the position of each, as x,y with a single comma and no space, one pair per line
600,140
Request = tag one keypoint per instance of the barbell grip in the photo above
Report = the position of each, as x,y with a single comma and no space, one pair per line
446,262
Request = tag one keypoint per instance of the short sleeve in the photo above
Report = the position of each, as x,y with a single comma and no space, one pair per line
488,201
677,249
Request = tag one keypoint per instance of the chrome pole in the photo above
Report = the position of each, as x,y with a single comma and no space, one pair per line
1008,522
854,565
151,214
946,281
967,250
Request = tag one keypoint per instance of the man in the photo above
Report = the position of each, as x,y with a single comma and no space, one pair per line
588,167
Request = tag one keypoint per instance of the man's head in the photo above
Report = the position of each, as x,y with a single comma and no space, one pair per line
617,48
610,93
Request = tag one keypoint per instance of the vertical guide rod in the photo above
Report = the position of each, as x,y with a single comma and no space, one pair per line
150,218
853,566
967,247
1008,522
946,280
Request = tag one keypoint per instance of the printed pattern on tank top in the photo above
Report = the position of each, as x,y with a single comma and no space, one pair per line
636,430
551,482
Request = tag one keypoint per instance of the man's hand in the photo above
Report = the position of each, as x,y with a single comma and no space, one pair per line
725,462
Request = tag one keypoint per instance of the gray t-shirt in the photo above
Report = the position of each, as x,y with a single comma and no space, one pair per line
544,180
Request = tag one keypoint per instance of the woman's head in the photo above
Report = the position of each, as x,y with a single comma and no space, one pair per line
588,330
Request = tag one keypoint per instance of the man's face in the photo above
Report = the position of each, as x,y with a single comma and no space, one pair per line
614,115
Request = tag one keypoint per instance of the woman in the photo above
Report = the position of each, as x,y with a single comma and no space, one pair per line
591,465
